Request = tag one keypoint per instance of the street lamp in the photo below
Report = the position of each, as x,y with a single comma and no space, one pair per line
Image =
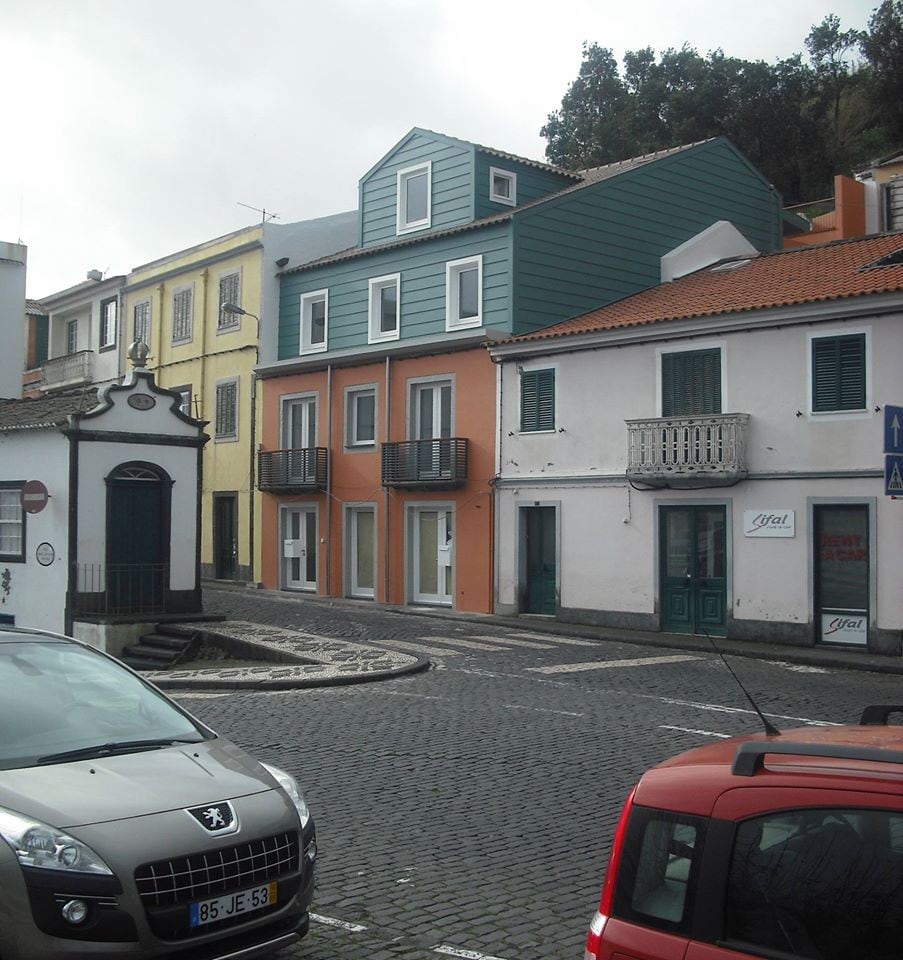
235,309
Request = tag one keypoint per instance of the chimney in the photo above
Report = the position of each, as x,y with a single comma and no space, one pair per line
95,275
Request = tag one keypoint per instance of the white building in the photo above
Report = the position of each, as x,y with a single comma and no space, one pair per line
708,455
13,258
100,511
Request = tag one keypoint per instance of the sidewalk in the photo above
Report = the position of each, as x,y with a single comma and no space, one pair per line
313,660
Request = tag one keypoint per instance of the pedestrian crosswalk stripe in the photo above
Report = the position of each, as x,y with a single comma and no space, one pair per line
415,648
553,638
511,642
608,664
468,644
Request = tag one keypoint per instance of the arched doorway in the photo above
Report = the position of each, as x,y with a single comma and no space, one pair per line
139,499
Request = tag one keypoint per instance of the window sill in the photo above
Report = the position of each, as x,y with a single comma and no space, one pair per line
10,558
360,447
229,328
400,231
533,433
469,324
229,439
107,348
180,343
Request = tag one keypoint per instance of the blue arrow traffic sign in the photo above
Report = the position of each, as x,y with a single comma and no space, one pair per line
893,476
893,429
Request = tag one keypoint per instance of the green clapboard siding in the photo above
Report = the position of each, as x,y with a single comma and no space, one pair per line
604,242
452,186
532,183
422,269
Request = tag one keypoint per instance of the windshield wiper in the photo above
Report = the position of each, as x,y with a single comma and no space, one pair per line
120,746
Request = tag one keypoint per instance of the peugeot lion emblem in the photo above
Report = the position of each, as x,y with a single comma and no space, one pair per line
216,818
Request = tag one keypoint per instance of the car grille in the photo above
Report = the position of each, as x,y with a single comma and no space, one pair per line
167,887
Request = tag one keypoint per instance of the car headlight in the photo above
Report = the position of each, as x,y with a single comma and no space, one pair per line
36,844
290,785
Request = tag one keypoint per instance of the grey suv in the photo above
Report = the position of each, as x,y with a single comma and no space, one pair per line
128,829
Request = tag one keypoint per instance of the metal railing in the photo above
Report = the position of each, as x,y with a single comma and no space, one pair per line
72,368
120,588
709,447
821,214
303,468
439,462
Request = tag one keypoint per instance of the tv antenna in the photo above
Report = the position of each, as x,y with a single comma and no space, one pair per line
264,214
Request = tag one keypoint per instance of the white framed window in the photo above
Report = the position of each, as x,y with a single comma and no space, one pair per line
229,292
464,293
226,422
414,197
182,314
71,336
384,313
185,393
12,523
141,319
108,315
503,186
314,321
360,417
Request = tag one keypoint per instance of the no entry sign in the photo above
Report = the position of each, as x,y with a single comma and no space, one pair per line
34,496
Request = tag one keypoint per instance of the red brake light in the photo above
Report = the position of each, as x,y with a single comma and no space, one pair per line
593,949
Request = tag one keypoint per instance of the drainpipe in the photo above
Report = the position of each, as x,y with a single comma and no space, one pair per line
328,483
386,439
204,275
493,489
252,463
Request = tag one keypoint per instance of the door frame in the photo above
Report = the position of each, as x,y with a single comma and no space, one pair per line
658,533
223,495
411,507
348,534
872,504
521,506
285,400
284,507
411,386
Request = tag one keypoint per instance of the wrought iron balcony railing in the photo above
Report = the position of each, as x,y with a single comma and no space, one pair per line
304,468
688,451
73,368
120,589
425,463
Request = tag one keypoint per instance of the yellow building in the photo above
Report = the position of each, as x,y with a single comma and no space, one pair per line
177,306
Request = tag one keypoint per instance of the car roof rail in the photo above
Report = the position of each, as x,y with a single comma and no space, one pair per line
876,715
750,756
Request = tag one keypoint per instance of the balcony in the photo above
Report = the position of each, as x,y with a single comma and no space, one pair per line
704,451
70,370
425,463
292,471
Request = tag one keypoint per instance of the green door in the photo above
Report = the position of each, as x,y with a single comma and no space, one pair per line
693,574
542,571
136,545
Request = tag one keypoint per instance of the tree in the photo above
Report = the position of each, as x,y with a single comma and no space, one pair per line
882,47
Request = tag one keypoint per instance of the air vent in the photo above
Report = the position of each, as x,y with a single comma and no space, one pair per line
729,266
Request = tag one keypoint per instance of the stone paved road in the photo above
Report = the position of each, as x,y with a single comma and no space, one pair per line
469,808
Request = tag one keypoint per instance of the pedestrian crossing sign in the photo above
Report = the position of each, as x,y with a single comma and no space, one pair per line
893,476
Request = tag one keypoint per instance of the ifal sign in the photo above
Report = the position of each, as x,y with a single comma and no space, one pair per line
769,523
844,628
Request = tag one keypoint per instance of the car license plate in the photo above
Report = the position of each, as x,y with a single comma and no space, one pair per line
231,905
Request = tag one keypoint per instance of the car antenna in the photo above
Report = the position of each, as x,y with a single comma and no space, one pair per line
770,729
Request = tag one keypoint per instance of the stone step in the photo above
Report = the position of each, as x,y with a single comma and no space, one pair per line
142,663
169,641
145,651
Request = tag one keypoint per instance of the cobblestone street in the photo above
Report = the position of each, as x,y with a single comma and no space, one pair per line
466,811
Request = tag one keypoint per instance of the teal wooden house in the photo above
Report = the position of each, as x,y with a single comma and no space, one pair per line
456,238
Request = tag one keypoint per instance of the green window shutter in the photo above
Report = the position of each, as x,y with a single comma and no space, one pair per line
691,383
838,373
537,400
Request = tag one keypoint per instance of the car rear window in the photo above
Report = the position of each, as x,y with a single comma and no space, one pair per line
825,884
658,869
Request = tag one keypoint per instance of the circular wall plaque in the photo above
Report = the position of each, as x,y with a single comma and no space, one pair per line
45,554
141,401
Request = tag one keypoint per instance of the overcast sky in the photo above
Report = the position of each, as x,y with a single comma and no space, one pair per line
132,130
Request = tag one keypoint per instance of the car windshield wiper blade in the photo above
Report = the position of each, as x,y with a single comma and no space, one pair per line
117,746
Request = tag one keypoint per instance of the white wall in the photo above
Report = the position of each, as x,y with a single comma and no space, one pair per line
12,318
37,596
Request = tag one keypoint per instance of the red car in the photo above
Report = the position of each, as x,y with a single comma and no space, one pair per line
785,847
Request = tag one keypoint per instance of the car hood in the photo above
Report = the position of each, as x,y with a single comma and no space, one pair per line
132,785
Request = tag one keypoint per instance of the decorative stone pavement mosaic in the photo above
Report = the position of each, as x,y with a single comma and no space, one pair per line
321,661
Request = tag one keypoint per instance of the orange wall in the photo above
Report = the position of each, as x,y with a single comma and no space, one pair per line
355,475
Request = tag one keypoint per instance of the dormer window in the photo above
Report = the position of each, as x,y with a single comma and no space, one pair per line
414,189
503,186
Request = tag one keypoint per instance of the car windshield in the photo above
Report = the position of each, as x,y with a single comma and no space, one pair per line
60,697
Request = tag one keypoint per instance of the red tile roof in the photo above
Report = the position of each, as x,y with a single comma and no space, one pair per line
829,271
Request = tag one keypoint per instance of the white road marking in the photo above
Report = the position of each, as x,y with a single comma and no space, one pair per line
797,667
463,954
563,713
717,708
554,638
343,924
416,648
702,733
468,644
609,664
198,696
510,641
418,696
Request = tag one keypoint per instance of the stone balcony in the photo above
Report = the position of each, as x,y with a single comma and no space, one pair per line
70,370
